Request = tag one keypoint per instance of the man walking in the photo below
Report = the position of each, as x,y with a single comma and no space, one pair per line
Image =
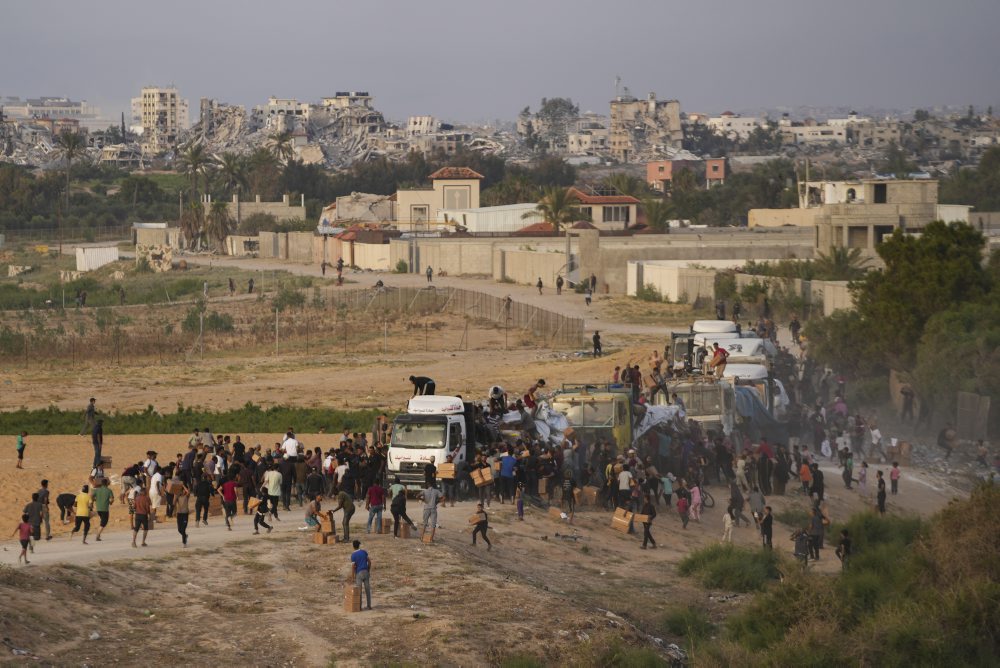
430,496
143,507
597,344
361,566
43,498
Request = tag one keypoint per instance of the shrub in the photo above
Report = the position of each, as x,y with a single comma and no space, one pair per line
401,267
689,622
731,568
289,298
648,293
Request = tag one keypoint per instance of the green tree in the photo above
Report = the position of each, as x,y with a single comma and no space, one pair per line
658,213
193,224
231,174
554,117
627,184
263,173
839,264
218,224
557,206
896,162
281,146
70,145
196,162
922,276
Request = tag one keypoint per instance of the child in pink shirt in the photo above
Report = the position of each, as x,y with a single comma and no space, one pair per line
23,531
894,477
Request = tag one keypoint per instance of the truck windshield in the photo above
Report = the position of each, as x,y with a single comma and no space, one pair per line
419,435
704,400
582,412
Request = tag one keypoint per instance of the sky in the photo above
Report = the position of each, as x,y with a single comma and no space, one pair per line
476,61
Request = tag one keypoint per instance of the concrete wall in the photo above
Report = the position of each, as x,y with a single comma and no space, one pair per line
291,246
455,256
282,210
235,244
830,295
674,282
781,217
836,296
165,236
372,256
526,267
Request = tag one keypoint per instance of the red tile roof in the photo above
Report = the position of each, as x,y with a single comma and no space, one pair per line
585,198
538,227
455,173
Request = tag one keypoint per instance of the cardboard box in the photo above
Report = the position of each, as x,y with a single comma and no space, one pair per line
175,486
404,530
427,538
621,513
386,525
641,519
106,460
352,598
253,503
619,524
588,496
319,538
555,513
474,519
482,477
446,471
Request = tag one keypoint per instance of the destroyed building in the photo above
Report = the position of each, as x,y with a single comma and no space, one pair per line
643,129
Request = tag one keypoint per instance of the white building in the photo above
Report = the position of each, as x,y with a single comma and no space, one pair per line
421,125
734,126
508,218
93,256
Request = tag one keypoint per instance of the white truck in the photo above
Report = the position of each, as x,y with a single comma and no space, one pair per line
432,426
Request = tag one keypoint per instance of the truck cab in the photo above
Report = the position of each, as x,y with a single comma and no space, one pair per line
433,426
709,402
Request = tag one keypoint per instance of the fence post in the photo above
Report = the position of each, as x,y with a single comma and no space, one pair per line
275,330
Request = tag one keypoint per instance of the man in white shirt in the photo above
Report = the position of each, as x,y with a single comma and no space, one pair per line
155,491
339,473
150,464
290,446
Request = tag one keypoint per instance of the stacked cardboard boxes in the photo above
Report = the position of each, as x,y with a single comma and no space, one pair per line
482,477
352,598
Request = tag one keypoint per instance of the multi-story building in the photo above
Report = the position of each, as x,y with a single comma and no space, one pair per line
87,116
421,125
344,99
734,126
811,132
660,173
161,114
643,126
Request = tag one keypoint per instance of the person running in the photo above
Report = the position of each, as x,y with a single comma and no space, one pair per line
649,510
83,504
430,495
203,490
261,515
23,531
272,480
22,443
361,567
682,509
482,526
182,509
345,503
143,509
103,498
228,491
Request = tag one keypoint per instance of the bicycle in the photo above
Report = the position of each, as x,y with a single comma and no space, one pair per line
706,499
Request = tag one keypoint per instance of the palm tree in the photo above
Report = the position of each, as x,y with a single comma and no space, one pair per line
627,184
219,225
232,172
262,172
70,145
281,146
840,264
658,213
196,162
557,206
193,223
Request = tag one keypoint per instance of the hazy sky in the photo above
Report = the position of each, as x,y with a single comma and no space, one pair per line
474,60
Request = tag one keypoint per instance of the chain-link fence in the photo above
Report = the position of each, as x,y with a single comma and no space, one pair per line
322,320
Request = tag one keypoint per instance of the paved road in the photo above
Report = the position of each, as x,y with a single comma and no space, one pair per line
164,539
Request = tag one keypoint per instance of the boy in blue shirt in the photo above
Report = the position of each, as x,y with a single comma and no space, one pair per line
361,566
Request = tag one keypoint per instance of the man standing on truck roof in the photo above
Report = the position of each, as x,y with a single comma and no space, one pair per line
719,357
422,385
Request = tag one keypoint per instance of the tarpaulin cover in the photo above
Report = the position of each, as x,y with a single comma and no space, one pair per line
655,415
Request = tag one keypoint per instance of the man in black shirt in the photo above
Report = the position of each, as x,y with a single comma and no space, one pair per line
422,385
767,527
430,473
843,550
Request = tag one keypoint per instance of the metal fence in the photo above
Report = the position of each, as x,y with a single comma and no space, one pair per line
552,329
